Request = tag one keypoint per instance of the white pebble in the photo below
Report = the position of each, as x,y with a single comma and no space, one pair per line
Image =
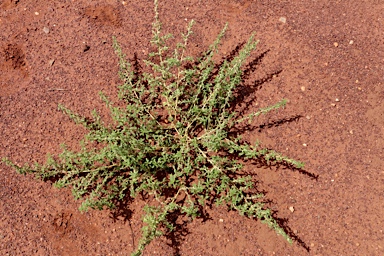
283,19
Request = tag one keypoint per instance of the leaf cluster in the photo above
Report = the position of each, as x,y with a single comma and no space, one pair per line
169,140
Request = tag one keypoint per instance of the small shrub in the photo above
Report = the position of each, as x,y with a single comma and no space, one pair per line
171,140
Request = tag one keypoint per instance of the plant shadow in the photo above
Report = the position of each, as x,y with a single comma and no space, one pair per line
123,213
283,223
244,93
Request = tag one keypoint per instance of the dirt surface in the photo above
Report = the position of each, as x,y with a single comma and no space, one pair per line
326,58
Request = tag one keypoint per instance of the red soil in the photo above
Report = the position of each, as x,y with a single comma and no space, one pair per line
326,58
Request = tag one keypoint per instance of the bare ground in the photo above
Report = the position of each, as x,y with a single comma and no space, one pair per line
326,58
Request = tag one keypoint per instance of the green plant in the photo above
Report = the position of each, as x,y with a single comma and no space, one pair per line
171,140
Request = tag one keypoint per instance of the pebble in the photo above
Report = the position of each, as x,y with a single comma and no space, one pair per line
351,42
336,44
36,13
304,145
221,220
86,48
302,88
291,209
283,19
46,30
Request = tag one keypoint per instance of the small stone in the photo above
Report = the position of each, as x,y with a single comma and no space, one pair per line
37,13
351,42
283,19
337,100
291,209
312,245
124,3
351,132
333,105
51,62
302,88
221,220
335,44
308,117
46,30
304,144
86,48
